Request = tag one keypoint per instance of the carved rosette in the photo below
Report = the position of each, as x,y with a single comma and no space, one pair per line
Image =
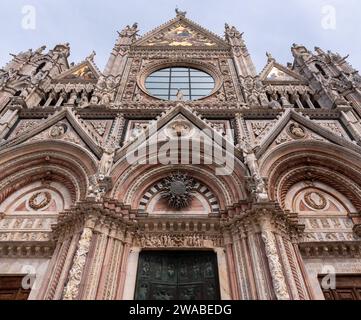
71,290
177,190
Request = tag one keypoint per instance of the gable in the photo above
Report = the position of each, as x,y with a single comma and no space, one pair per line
294,131
60,131
279,75
275,72
177,123
84,71
63,126
181,32
293,126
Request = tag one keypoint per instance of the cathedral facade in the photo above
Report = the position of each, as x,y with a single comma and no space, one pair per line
179,172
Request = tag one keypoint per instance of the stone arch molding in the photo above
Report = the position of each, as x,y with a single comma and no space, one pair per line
319,161
57,161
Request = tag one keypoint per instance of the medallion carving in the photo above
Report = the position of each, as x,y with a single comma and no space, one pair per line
39,200
58,131
315,200
297,131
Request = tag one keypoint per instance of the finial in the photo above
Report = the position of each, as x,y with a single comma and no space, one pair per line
91,56
180,13
269,56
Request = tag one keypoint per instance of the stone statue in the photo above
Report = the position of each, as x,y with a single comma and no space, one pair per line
128,35
297,130
106,162
40,50
180,13
91,56
180,95
299,51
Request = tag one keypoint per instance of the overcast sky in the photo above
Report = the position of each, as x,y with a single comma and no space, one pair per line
267,25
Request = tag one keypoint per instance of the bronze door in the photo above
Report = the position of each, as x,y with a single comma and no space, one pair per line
348,287
177,276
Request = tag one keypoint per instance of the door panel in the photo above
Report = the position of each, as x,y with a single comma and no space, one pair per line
348,287
177,276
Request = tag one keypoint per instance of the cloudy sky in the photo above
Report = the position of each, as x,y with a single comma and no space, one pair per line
267,25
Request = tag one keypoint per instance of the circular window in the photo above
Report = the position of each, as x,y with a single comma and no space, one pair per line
180,82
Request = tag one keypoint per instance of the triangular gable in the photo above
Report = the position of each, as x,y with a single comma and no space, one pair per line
280,133
181,32
158,125
56,125
84,71
275,72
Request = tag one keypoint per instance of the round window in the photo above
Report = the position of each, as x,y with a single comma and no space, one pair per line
179,83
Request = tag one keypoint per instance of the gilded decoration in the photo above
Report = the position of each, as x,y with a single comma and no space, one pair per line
180,35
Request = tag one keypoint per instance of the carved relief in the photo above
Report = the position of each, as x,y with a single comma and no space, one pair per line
297,131
177,190
100,126
58,131
171,240
278,278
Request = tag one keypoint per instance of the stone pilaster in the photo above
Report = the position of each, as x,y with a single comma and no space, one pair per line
71,290
265,258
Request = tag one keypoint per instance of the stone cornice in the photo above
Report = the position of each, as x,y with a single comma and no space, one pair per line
27,249
132,110
317,250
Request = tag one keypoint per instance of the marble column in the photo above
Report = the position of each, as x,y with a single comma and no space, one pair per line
131,274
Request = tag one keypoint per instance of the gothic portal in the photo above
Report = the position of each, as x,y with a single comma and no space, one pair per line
179,172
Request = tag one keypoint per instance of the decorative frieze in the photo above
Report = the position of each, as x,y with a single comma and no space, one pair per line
170,240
